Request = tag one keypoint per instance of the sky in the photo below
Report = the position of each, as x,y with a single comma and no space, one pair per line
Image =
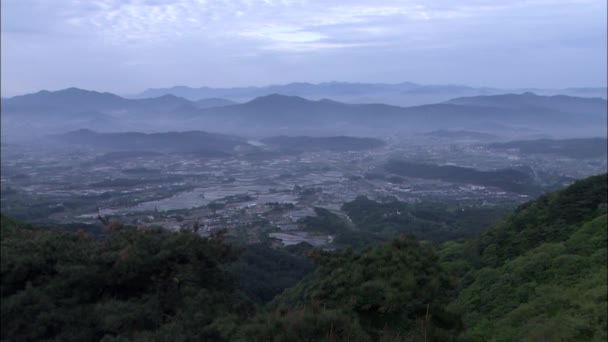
126,46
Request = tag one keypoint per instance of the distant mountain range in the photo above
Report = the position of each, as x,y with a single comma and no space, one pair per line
75,100
71,109
399,94
289,115
526,100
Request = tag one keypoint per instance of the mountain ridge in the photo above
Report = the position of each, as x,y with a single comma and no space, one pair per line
401,94
280,114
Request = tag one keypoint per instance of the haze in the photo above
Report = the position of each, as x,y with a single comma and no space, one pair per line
125,47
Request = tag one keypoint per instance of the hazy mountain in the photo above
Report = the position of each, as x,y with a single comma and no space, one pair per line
328,89
161,103
579,92
529,100
213,102
47,112
271,115
74,100
400,94
296,115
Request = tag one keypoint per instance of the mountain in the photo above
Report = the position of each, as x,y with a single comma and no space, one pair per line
571,148
399,94
213,102
276,114
74,100
70,109
161,103
530,100
339,90
293,115
601,92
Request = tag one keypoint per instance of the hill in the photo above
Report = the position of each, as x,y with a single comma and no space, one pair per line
507,179
132,284
541,274
308,144
393,292
571,148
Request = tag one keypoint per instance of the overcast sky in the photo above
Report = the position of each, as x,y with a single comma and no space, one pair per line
125,46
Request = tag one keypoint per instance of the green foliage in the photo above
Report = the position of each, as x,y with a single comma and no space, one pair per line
324,222
551,218
556,291
396,289
426,221
133,284
264,272
540,275
372,222
304,324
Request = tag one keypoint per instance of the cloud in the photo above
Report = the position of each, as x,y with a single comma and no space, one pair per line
70,42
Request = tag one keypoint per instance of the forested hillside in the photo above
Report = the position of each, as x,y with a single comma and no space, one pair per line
131,285
538,275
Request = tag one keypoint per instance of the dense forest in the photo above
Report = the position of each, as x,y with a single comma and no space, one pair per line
539,274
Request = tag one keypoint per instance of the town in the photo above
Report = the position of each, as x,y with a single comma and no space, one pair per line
251,196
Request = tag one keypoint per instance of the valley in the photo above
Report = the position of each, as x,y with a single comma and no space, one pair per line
303,171
264,191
